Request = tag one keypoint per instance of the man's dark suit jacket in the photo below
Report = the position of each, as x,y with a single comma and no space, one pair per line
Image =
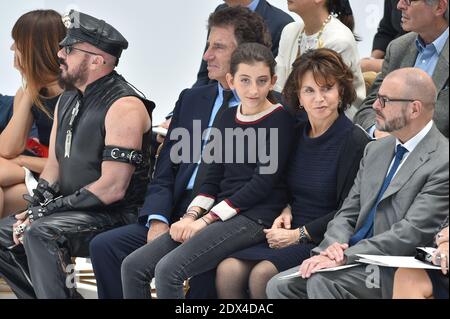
275,18
170,180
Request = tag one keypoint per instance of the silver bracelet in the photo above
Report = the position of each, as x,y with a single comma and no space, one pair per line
303,238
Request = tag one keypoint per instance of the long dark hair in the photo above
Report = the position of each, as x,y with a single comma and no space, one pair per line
37,35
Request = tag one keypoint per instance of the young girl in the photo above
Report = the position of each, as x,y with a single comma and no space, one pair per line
243,192
319,28
36,42
323,165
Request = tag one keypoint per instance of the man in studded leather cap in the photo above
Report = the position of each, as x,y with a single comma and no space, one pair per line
97,171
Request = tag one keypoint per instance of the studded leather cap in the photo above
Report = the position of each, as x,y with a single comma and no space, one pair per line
85,28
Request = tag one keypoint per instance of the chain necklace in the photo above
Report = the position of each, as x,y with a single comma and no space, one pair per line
309,42
68,143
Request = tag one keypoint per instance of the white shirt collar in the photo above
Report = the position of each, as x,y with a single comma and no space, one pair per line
411,144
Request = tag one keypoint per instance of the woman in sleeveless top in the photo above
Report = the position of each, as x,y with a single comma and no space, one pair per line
36,38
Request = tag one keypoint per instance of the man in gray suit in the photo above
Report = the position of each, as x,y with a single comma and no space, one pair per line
398,201
426,47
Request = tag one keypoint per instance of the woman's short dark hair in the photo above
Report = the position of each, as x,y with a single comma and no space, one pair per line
327,68
250,53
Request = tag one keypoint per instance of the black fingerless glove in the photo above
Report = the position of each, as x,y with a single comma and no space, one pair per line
43,193
81,200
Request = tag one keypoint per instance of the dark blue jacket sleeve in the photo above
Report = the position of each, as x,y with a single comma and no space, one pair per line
159,196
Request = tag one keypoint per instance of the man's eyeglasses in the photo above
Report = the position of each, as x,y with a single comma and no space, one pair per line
383,100
69,48
408,2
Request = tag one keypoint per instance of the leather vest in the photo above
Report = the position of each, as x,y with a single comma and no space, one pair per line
83,166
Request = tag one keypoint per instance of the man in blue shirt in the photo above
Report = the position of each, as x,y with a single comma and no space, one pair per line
424,47
275,19
174,185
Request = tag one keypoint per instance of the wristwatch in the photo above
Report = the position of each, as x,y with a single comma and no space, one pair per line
303,238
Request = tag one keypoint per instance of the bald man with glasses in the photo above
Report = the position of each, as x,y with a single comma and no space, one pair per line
398,201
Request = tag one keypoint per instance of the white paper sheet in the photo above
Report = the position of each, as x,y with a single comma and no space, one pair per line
297,274
395,261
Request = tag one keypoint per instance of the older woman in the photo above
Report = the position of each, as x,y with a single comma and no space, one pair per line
321,172
36,42
319,28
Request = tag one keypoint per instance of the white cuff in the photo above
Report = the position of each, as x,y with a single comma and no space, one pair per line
225,210
202,200
30,182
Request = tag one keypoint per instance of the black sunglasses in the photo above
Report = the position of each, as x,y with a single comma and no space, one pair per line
69,48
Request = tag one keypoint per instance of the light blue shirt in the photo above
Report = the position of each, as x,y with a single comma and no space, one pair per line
429,53
233,102
252,6
426,59
156,217
217,104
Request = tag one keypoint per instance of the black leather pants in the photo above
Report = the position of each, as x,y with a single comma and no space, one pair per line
41,267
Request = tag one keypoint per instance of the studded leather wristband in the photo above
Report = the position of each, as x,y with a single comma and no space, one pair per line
124,155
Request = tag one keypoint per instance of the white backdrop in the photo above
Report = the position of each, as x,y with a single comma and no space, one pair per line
166,39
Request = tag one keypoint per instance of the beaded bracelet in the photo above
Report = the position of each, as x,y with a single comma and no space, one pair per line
197,213
194,216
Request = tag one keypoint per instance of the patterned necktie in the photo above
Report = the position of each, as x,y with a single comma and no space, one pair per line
366,230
